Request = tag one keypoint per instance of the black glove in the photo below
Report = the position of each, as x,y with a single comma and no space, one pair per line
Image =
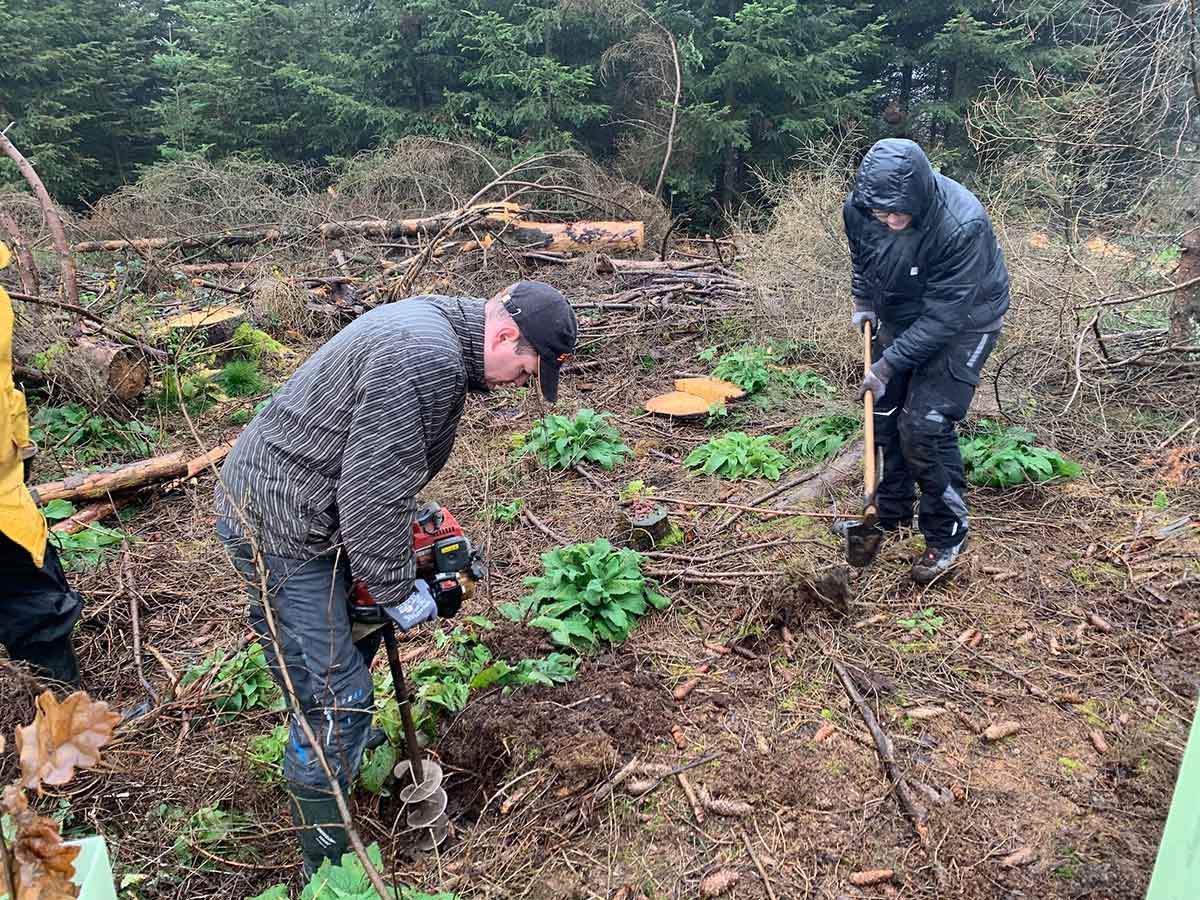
448,595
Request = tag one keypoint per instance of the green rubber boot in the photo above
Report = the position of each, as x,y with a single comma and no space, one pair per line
322,834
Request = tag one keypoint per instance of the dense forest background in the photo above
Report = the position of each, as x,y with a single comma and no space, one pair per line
97,90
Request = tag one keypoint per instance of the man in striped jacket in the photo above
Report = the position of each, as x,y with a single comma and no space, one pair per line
323,485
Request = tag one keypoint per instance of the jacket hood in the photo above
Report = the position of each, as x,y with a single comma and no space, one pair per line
896,176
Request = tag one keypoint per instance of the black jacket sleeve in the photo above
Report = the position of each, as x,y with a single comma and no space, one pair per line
954,279
852,223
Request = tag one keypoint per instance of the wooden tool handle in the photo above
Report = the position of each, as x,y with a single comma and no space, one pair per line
868,419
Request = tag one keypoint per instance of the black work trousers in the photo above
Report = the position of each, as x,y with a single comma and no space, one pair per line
331,673
915,426
38,611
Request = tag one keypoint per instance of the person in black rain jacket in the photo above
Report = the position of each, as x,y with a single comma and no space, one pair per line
929,276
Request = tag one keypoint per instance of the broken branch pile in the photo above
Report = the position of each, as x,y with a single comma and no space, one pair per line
696,282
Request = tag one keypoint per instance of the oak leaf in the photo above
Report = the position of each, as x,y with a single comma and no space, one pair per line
42,863
63,736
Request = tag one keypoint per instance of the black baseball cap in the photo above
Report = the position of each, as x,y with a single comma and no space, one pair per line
547,321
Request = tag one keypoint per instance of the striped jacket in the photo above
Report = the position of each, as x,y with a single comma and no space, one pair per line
337,457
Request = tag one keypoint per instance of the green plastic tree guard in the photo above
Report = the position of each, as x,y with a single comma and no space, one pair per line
1177,868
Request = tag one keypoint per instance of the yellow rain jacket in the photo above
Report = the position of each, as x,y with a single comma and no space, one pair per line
20,520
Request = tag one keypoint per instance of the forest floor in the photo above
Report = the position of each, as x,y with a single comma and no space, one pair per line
1084,604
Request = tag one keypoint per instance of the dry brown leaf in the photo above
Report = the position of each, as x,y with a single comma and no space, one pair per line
714,390
714,884
1020,857
678,404
823,733
43,864
871,876
63,736
1000,730
966,636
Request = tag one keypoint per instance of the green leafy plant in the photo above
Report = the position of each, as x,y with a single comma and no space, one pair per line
716,412
562,442
808,383
818,437
197,390
241,682
90,435
505,513
588,593
747,367
265,754
212,828
1004,457
253,343
926,620
736,455
87,548
635,488
443,685
349,881
376,766
241,378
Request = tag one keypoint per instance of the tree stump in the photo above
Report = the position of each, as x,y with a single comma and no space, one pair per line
209,326
646,525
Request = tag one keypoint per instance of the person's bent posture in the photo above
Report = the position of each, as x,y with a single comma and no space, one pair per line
929,276
322,487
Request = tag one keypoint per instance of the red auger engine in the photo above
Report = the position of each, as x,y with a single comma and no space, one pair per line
445,561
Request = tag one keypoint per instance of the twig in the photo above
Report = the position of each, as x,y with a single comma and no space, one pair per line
592,479
27,268
289,688
772,494
913,811
135,620
260,867
1189,629
697,807
542,527
762,872
53,221
757,510
1146,296
112,330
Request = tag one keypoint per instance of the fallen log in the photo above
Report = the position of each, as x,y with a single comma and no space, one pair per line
546,236
88,515
101,509
207,461
114,480
94,370
115,370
